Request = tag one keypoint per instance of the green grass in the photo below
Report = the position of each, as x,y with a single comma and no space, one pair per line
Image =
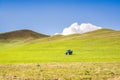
97,46
84,50
96,56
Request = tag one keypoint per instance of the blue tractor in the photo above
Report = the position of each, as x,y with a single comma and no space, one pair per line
69,52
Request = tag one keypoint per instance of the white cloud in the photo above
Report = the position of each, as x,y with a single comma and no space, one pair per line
82,28
76,28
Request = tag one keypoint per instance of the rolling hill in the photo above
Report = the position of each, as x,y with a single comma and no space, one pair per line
97,34
98,46
21,34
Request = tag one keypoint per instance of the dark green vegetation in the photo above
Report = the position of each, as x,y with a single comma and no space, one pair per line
60,71
97,46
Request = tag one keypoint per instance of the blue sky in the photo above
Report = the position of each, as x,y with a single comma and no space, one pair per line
51,16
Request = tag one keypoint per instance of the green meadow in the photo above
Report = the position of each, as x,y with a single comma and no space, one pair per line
97,46
96,56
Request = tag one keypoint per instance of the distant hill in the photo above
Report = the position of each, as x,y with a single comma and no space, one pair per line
29,34
97,34
22,34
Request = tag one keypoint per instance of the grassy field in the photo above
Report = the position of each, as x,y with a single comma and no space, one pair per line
96,56
60,71
98,46
92,51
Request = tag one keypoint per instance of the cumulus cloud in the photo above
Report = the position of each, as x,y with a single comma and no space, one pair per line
82,28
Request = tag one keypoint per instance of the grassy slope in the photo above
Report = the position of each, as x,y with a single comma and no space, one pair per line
20,35
97,46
